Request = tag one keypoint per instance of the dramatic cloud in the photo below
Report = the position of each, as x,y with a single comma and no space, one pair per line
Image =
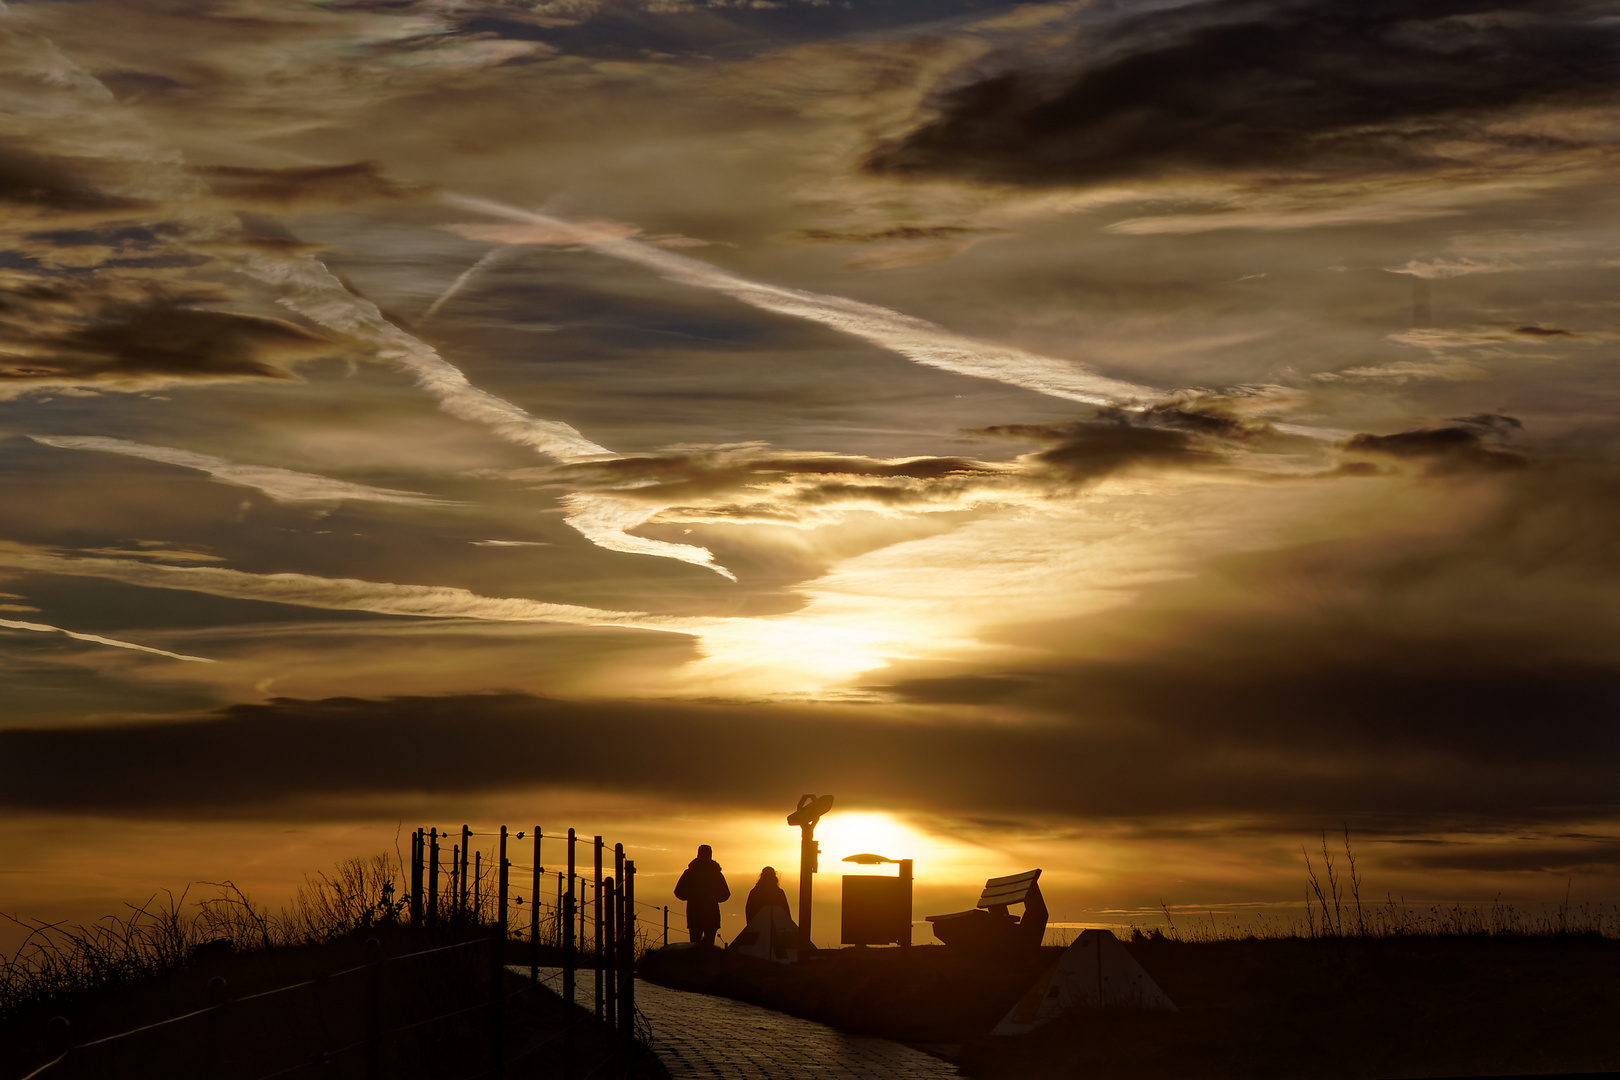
1225,536
97,334
1279,86
1471,444
34,183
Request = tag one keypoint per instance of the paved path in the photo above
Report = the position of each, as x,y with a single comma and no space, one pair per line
700,1037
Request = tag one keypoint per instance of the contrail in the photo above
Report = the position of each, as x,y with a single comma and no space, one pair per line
332,594
309,288
465,276
604,521
283,485
12,624
916,339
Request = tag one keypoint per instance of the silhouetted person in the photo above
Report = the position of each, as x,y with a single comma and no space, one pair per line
704,889
767,893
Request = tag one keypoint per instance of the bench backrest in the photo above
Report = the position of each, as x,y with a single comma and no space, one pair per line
1012,889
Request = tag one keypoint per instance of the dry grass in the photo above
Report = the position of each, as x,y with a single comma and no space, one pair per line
58,961
1334,910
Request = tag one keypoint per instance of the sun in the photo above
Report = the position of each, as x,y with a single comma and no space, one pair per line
864,832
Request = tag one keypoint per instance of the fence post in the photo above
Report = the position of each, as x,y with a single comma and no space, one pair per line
466,842
374,1011
433,879
456,878
598,947
505,884
610,931
666,926
478,883
416,880
497,975
568,927
627,982
618,914
534,914
569,1039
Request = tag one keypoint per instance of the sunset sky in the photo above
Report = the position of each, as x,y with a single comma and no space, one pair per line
1128,437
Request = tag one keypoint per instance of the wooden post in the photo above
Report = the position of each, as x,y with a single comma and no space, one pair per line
627,981
478,881
666,926
504,882
569,1038
455,884
461,896
568,927
497,988
557,939
610,930
618,919
534,914
374,955
416,880
433,879
597,950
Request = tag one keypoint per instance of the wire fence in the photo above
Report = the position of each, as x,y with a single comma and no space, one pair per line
429,1007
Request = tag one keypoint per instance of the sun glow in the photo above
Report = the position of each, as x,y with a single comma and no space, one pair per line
842,835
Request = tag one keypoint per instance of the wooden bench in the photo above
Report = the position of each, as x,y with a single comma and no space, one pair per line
989,925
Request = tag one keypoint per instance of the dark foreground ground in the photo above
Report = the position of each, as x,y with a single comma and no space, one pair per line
1355,1009
259,1035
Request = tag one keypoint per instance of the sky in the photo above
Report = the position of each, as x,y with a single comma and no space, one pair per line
1133,438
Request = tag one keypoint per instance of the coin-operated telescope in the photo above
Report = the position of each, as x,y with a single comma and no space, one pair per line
805,817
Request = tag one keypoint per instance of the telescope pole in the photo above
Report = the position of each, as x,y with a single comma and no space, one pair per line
808,850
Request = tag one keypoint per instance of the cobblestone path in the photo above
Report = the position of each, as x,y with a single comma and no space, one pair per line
699,1037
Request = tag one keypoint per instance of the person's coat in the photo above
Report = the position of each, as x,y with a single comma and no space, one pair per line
704,889
766,895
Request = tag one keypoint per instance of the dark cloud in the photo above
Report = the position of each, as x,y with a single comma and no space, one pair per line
1467,677
46,186
1291,86
1090,449
1524,856
283,189
679,476
1436,738
66,331
886,236
1544,331
1473,444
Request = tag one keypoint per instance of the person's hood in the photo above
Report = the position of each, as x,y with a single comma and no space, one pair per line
701,862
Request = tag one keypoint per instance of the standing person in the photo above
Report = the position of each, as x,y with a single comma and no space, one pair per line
704,889
767,892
